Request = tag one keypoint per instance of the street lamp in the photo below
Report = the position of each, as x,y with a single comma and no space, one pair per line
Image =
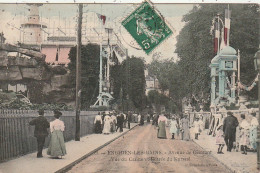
257,67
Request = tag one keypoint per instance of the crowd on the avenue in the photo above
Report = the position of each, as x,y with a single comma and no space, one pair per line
229,131
111,121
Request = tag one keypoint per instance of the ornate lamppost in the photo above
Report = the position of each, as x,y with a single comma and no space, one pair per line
257,67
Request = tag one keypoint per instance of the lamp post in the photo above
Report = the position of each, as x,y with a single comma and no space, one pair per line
257,67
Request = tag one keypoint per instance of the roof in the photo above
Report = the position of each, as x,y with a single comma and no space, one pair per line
228,51
215,59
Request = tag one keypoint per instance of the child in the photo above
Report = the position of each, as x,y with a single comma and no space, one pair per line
173,127
220,138
196,126
244,135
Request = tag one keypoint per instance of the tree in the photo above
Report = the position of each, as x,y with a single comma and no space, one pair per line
126,79
133,82
89,73
195,44
191,74
169,76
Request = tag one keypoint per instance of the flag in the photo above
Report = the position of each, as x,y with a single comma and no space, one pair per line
57,55
227,26
216,39
102,17
222,44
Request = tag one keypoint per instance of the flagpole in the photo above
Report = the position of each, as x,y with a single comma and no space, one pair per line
219,36
101,62
228,31
238,74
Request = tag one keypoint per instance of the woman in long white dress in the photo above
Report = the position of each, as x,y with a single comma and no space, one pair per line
57,147
107,120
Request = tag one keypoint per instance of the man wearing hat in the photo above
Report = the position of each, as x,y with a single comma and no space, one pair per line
40,132
230,124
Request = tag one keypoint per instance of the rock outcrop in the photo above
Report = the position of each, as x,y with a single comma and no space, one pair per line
27,65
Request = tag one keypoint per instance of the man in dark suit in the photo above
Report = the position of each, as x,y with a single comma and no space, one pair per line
129,118
229,127
40,132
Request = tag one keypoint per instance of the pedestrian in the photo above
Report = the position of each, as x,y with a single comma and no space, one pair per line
185,124
113,122
120,120
173,126
253,131
129,118
122,123
155,120
196,128
98,123
148,118
40,132
103,117
161,127
220,138
57,147
229,127
244,134
141,120
201,124
178,126
135,118
107,120
125,120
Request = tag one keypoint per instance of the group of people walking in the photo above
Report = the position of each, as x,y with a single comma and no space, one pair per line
110,122
232,132
179,126
56,147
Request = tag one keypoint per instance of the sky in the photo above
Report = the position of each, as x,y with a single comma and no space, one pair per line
54,15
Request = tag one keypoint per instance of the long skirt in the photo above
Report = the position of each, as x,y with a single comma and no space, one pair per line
106,129
161,131
98,127
244,137
253,136
186,134
57,145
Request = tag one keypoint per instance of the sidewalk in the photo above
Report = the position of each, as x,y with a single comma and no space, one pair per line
76,151
235,161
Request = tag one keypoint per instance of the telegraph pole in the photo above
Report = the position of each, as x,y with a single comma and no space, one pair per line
78,74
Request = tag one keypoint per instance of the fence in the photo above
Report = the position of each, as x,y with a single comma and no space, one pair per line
17,136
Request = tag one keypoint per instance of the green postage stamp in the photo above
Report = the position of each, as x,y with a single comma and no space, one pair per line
147,27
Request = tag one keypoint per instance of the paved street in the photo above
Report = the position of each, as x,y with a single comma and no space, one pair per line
141,151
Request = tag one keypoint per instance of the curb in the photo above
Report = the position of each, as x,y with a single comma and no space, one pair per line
231,169
69,166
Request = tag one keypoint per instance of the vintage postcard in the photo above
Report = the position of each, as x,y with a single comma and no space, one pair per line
132,86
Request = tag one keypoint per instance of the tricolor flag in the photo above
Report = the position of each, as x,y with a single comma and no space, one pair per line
216,39
102,17
227,26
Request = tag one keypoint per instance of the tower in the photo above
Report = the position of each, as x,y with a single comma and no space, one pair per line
223,67
32,27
